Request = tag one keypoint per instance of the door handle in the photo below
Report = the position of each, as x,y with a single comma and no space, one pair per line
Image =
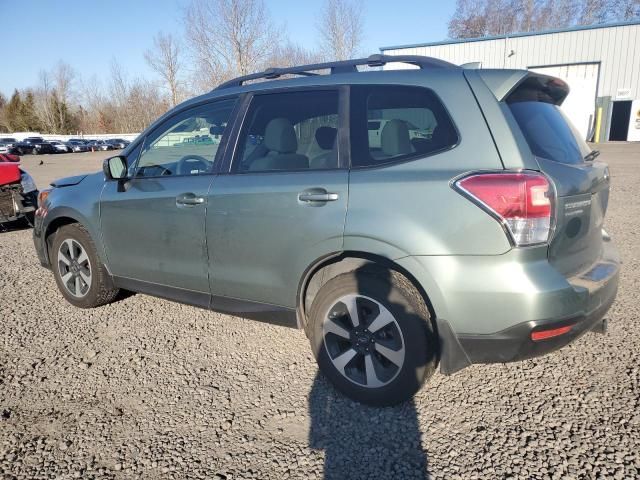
317,196
189,200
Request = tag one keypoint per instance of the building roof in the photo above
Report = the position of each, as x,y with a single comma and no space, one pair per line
513,35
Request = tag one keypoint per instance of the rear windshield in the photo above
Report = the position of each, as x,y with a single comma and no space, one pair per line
549,133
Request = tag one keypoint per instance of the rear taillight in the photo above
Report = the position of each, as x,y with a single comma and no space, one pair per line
522,202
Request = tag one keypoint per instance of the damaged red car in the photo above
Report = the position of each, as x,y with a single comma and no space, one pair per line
18,193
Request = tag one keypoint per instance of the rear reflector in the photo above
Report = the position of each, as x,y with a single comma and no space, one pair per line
521,201
545,334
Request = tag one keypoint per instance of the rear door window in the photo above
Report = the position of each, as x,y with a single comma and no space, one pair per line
391,124
546,129
290,131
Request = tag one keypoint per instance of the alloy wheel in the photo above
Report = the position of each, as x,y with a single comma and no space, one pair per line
364,341
74,268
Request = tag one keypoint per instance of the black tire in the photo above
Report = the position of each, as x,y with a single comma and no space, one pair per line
34,151
100,288
405,303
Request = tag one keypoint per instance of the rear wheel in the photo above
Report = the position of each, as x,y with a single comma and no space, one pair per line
81,277
372,336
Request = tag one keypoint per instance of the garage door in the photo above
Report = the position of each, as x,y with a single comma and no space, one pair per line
579,106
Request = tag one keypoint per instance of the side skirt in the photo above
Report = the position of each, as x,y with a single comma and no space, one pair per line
262,312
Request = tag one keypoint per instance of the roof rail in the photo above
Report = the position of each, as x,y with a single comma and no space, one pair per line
344,66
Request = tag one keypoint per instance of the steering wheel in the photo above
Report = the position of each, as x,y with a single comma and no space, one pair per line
189,163
163,170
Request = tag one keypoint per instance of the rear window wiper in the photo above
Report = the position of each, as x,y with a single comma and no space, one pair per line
592,155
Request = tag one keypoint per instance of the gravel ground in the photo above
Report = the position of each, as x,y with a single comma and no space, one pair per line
145,388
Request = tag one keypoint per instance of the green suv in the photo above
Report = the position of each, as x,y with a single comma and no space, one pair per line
404,219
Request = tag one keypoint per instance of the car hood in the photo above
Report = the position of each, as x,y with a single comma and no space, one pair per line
68,181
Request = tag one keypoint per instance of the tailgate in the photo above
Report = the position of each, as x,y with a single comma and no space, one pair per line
583,196
582,185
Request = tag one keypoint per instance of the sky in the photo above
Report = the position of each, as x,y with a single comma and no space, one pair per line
89,34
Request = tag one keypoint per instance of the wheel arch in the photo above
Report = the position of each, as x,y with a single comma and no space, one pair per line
451,354
61,216
334,264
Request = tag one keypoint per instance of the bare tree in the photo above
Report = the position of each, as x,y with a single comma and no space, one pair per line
53,97
627,9
341,28
63,77
479,18
130,105
42,94
228,38
468,20
4,121
118,93
164,59
289,54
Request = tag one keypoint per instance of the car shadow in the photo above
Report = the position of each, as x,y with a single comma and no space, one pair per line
363,442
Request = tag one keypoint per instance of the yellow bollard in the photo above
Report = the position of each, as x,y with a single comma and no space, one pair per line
598,123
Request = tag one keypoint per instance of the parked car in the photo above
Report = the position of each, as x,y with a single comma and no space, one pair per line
9,145
60,147
77,146
484,243
99,145
34,145
18,193
118,143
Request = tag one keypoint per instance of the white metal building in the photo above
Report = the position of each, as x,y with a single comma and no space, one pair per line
600,63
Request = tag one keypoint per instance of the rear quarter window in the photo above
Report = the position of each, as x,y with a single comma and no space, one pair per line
546,129
392,124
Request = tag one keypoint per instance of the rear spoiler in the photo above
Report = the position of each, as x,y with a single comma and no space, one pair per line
524,84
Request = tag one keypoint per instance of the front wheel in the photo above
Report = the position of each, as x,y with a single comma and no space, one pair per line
82,279
372,336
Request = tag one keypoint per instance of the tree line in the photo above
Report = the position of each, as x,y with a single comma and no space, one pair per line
481,18
222,39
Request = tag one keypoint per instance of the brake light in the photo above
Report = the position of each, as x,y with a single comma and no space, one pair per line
521,201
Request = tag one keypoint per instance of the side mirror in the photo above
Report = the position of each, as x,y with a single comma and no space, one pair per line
115,168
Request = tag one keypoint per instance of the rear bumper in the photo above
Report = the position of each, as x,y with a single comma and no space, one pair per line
487,307
515,343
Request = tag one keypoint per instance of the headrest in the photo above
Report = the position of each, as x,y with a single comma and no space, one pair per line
326,137
395,138
280,136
